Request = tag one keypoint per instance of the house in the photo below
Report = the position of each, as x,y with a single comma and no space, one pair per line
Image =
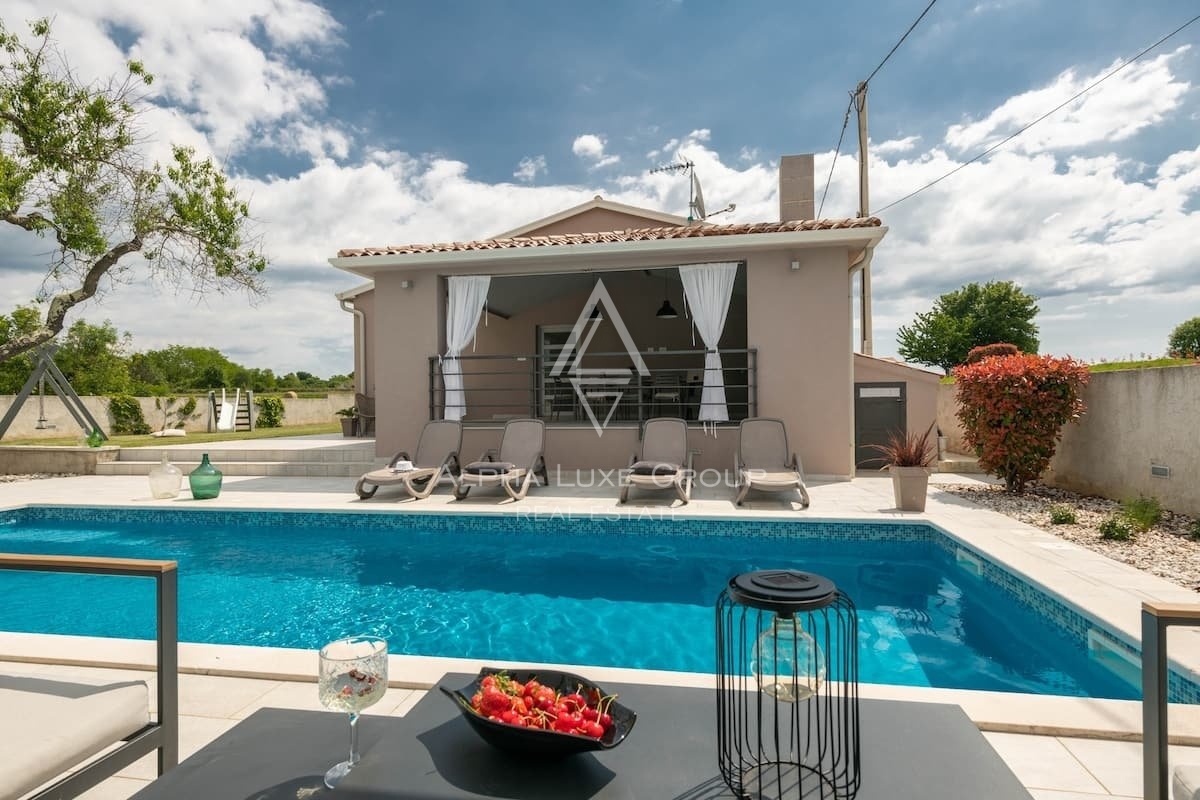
604,314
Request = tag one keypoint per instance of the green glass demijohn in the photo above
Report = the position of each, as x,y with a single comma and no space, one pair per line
205,480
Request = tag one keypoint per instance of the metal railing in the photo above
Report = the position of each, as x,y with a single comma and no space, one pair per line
499,387
162,735
1156,618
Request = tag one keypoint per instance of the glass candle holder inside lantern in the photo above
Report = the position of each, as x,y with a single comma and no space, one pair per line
787,687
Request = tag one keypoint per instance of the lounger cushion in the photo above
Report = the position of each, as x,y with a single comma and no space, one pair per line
759,477
654,468
386,477
489,467
51,724
1186,785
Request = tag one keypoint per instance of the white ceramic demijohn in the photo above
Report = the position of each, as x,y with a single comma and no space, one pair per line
165,480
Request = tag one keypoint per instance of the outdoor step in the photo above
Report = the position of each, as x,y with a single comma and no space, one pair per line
292,469
191,455
960,463
313,456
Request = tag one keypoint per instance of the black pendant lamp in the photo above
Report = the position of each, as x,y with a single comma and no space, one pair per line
667,311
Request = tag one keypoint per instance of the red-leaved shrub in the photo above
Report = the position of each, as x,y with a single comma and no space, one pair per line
1012,410
977,354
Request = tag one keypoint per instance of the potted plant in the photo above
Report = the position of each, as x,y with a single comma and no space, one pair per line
349,420
908,456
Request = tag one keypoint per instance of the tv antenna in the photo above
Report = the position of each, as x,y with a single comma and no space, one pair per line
695,196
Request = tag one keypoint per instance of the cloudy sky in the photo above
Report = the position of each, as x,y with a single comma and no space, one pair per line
365,122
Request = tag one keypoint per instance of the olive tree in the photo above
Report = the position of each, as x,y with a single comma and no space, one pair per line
73,171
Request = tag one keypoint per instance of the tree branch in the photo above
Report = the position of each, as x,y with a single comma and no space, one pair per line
62,303
33,221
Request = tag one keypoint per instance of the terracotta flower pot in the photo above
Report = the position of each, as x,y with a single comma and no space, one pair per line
909,485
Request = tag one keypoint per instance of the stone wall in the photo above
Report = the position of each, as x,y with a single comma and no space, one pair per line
1135,419
59,422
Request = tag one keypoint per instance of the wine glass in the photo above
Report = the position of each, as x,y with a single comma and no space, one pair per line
353,675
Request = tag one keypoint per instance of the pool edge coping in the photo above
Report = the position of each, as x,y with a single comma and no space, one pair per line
1048,715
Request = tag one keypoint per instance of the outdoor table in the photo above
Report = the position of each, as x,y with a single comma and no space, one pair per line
910,751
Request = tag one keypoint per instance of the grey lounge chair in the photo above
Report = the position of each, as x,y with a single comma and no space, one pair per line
762,462
665,462
437,453
514,467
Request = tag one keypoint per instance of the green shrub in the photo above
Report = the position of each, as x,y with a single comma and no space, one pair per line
1194,531
1142,512
175,414
126,415
1116,528
270,412
1062,515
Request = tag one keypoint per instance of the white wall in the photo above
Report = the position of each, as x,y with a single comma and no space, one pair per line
297,411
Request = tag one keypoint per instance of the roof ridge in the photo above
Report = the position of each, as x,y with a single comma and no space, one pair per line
627,235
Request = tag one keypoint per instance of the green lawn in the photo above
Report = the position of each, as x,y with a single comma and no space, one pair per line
195,438
1113,366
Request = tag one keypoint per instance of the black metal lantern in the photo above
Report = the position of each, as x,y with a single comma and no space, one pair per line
787,687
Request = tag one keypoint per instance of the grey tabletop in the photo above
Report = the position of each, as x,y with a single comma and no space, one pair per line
910,751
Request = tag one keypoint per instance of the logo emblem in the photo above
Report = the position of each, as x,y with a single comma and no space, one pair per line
597,385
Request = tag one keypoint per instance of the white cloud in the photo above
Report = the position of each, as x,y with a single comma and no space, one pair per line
225,68
895,146
530,167
590,147
748,154
1136,98
1106,242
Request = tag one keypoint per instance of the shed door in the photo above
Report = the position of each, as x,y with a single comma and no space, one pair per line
879,410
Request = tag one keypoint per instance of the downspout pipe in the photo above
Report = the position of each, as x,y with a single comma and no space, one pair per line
360,346
863,265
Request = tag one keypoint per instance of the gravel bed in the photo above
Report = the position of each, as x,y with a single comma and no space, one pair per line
1166,550
36,476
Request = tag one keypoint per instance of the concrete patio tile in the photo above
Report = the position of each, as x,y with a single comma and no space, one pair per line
1117,765
299,696
1043,762
1050,794
115,788
210,696
194,733
303,697
409,702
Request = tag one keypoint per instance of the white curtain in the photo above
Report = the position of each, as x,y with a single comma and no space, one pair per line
466,298
708,289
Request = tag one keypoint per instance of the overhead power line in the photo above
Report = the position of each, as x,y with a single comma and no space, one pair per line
1057,108
837,151
896,46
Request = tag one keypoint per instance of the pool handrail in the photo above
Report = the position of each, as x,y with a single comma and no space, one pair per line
162,735
1156,618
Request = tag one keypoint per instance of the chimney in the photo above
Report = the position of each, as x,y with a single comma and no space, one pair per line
796,188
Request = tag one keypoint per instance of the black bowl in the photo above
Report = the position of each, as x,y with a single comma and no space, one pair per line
534,741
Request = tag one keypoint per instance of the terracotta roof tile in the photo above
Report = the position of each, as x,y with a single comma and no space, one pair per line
631,235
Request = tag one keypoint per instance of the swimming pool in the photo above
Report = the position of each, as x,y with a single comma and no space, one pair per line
631,593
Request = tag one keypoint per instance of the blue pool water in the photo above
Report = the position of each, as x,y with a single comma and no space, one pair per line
634,593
